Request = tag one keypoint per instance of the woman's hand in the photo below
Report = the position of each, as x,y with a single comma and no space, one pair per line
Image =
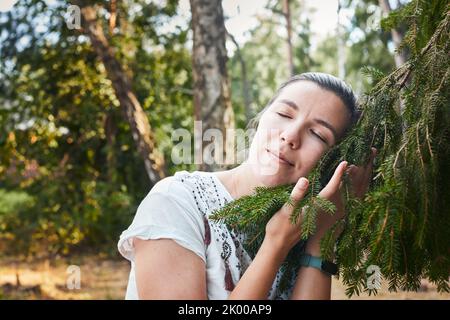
359,184
280,232
283,234
360,176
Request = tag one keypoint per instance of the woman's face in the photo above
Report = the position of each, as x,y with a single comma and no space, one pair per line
293,134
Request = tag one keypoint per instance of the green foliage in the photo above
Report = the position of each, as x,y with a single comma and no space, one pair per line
70,177
257,211
366,44
14,207
64,139
402,223
263,53
250,214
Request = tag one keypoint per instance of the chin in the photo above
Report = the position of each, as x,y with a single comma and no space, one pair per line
274,180
271,177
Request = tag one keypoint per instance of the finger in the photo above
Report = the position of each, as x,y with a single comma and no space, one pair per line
299,190
297,194
337,176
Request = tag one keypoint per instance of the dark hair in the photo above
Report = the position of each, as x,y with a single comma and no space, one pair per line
327,82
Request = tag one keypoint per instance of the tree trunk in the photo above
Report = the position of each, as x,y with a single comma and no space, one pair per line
246,90
110,132
113,16
340,44
135,115
212,95
287,16
399,57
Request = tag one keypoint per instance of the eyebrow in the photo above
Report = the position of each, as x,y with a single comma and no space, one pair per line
319,121
327,125
290,103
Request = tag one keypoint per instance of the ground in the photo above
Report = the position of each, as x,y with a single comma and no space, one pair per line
106,278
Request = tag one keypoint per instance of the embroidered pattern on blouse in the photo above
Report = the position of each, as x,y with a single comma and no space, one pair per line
207,199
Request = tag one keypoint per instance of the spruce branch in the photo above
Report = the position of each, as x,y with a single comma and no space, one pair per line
401,224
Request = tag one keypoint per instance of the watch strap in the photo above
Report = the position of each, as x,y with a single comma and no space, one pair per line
328,267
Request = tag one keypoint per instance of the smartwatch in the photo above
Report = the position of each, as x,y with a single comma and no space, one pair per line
327,267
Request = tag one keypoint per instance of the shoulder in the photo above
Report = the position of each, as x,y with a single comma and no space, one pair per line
184,182
185,190
196,194
167,184
179,187
168,211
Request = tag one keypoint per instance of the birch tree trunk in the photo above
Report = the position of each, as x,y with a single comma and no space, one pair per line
396,35
212,95
287,16
399,57
340,44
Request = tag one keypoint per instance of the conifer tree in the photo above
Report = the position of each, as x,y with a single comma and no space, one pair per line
402,223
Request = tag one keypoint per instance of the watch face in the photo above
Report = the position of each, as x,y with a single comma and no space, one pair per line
329,267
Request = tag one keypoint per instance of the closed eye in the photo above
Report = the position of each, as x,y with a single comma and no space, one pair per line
283,115
318,136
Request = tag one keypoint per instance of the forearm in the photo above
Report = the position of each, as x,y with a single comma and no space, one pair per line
311,283
260,275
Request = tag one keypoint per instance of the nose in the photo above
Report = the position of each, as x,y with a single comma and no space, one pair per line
291,137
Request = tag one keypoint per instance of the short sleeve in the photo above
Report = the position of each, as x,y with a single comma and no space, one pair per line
166,212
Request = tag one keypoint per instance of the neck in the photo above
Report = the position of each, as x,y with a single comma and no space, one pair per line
239,181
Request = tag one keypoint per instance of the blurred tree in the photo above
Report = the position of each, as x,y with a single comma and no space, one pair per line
366,42
245,86
132,109
212,96
340,48
287,16
397,37
63,140
263,54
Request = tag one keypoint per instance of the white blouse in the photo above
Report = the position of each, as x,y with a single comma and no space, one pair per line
178,208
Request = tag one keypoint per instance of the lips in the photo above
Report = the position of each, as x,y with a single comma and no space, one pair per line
282,159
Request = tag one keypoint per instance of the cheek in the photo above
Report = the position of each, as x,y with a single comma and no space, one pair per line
268,131
316,149
309,156
314,152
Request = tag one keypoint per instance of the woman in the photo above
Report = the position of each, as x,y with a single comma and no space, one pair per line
176,252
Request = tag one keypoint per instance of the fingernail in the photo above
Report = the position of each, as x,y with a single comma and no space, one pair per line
303,183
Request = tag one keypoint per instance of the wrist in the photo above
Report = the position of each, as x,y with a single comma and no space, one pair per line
277,250
313,247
